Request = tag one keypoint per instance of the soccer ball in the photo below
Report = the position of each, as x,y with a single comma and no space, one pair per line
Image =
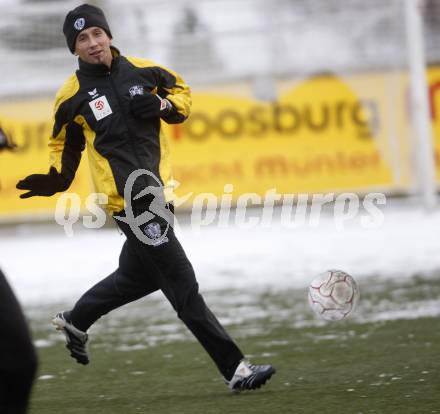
333,295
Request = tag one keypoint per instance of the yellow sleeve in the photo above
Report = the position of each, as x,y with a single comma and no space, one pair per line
179,94
67,140
171,86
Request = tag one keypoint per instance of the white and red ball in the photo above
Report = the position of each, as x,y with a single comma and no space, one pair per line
333,295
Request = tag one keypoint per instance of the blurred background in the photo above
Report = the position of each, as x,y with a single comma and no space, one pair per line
300,96
294,96
218,41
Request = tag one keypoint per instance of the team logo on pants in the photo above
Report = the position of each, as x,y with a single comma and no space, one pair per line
153,232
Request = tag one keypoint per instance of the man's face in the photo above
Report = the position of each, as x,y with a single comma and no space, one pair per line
93,46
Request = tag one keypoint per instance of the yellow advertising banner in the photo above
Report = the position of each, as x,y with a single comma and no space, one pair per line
29,126
322,134
434,98
318,136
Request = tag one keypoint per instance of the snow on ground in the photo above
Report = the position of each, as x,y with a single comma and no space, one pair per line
44,266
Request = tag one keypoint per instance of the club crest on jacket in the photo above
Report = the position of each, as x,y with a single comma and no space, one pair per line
136,90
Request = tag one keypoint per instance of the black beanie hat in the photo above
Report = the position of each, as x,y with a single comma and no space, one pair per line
81,18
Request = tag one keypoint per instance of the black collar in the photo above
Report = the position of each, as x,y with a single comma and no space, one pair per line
91,69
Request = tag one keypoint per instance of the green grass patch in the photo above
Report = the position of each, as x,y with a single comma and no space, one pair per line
144,361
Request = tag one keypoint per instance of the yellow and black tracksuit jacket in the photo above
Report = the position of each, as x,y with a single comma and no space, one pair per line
92,110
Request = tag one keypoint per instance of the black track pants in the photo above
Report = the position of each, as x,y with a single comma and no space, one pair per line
18,360
144,269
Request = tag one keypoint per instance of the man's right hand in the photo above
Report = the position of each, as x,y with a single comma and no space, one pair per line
43,184
149,106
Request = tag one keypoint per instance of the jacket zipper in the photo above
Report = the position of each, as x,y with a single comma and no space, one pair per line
131,136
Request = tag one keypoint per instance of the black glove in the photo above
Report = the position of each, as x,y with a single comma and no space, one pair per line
149,106
43,184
